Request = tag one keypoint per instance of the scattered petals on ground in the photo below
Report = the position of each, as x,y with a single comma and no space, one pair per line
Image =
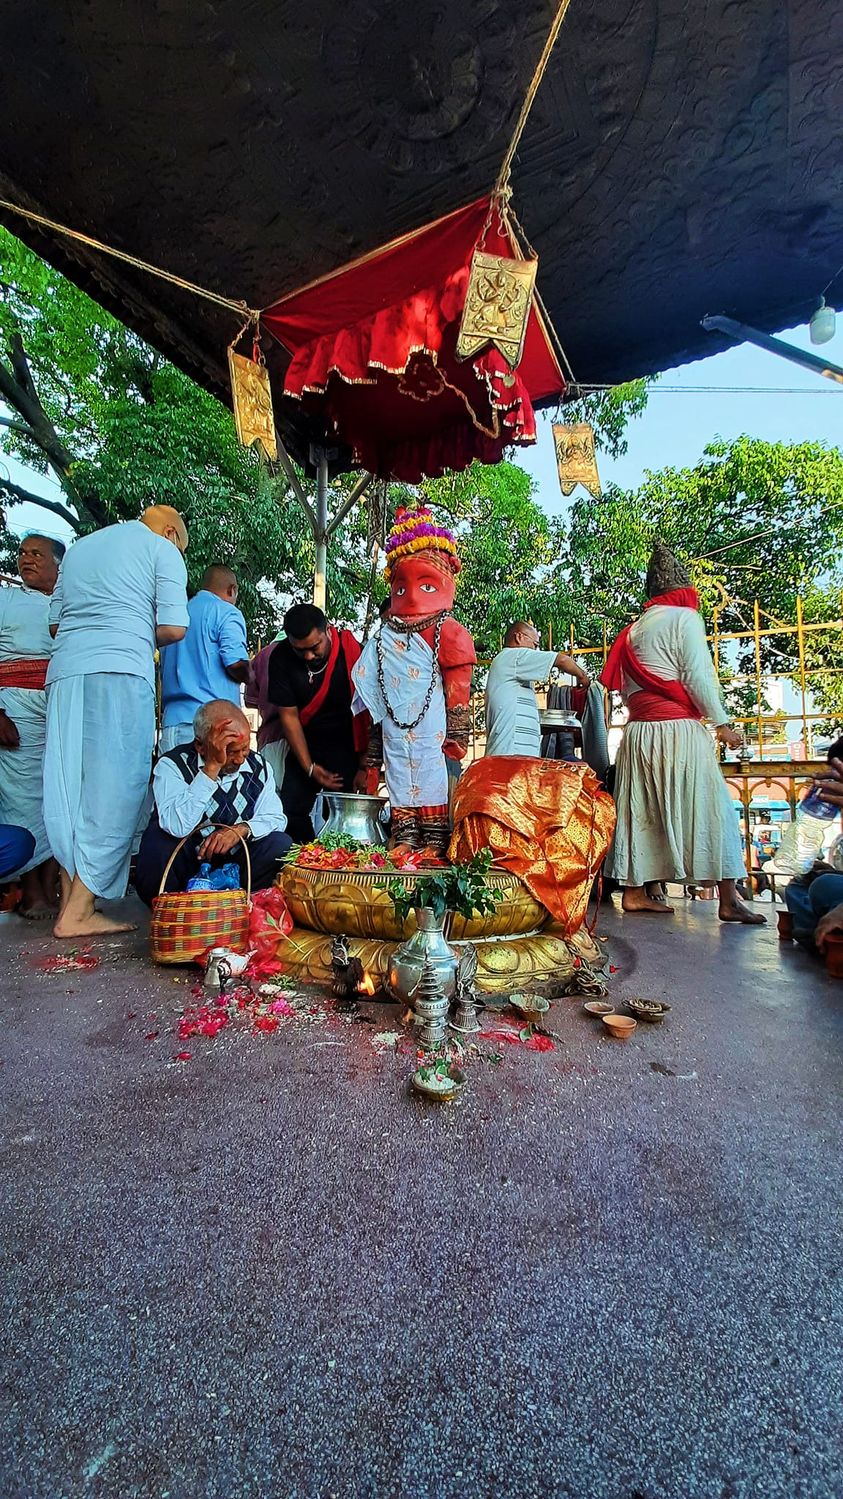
66,962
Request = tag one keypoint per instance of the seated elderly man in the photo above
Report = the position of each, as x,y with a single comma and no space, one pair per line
215,779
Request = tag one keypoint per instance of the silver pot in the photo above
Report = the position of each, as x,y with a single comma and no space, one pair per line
355,814
558,718
405,969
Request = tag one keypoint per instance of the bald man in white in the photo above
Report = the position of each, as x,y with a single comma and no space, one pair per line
120,592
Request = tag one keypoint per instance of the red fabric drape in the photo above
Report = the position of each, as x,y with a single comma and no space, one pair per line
373,355
341,640
30,674
659,698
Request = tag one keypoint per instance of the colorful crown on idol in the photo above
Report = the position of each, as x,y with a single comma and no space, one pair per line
416,531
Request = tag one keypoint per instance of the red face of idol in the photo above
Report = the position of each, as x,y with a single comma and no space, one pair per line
420,588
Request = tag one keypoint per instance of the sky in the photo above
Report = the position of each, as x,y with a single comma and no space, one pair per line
672,431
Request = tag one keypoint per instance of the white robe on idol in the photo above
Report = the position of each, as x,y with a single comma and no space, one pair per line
414,763
676,819
24,636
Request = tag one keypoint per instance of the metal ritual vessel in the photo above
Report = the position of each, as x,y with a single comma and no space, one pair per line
426,947
356,815
465,1022
430,1007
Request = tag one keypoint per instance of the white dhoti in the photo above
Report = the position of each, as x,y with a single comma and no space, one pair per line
100,738
414,763
676,819
22,769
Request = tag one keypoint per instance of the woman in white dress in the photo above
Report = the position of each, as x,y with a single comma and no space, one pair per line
676,819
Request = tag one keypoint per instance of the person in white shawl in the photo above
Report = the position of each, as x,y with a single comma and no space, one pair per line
676,819
120,591
25,649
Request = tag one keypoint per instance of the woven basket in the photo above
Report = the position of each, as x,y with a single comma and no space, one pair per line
186,923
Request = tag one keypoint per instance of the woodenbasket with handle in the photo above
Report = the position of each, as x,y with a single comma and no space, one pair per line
185,923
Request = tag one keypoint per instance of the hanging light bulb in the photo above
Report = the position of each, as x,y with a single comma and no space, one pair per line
822,324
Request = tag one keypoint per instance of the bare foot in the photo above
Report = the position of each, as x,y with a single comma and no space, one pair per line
93,925
735,910
38,911
639,900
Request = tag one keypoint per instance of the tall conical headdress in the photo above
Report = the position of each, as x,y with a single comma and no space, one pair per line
665,572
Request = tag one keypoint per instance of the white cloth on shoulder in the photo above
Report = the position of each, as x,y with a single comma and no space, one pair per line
414,763
676,819
100,738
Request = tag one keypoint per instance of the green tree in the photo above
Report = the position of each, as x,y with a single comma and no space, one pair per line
119,427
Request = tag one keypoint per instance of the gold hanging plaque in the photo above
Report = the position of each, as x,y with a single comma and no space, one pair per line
575,458
497,306
252,396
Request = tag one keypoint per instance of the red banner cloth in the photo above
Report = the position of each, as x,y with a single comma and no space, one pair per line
660,698
373,351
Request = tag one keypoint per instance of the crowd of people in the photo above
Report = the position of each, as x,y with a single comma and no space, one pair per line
92,775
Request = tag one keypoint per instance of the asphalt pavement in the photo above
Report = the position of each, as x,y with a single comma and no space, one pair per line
272,1272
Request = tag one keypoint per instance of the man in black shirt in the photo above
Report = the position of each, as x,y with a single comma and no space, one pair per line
309,680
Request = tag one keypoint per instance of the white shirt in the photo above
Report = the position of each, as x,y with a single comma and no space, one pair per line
114,587
24,619
671,643
512,713
183,806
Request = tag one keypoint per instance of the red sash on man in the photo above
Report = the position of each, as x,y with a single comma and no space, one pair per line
361,722
31,675
660,698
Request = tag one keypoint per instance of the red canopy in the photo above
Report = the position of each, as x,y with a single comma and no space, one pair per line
373,353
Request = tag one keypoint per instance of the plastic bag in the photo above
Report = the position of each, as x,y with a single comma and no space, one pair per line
269,923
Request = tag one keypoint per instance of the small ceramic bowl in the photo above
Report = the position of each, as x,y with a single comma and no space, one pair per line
442,1088
598,1008
651,1010
620,1026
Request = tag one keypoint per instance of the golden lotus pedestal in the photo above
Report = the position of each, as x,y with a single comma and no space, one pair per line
517,946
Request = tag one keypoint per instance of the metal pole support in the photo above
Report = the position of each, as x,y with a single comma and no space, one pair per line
320,589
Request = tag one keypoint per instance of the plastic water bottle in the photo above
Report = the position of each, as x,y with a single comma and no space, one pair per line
202,880
803,841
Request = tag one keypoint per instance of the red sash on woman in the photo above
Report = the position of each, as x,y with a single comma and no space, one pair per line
660,698
361,722
28,674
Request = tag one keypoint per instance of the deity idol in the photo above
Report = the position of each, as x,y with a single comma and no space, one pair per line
414,678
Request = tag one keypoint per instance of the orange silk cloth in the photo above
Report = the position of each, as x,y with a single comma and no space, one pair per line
548,822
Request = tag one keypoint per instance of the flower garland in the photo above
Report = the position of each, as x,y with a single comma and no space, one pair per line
416,531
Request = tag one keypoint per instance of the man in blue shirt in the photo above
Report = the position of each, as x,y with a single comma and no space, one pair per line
209,663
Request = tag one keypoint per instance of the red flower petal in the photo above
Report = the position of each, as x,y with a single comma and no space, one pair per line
182,1056
540,1043
265,1023
151,1036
